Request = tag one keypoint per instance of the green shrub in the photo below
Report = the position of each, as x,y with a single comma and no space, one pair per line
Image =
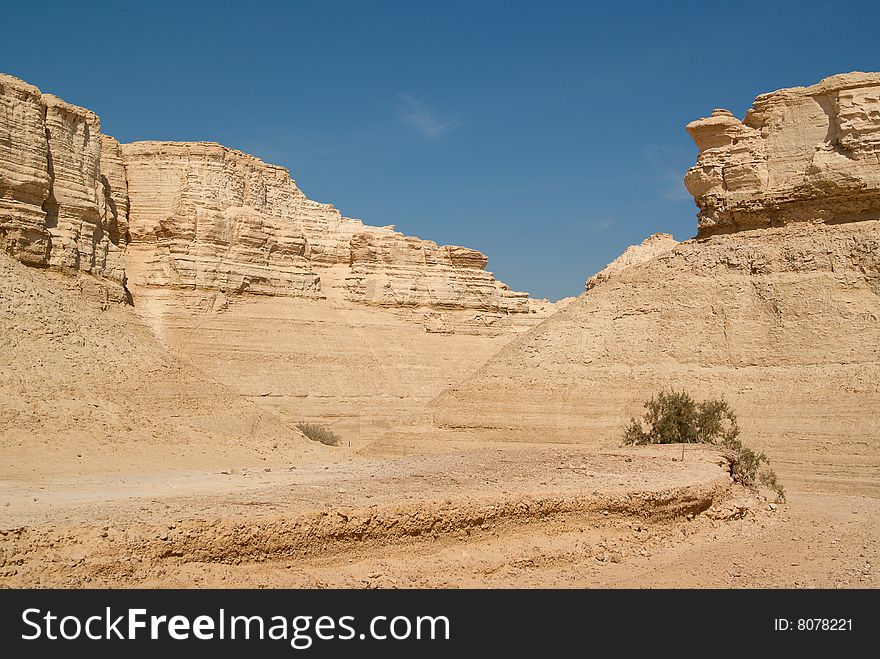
319,434
674,417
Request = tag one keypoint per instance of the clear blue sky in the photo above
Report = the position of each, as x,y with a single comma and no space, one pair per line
549,135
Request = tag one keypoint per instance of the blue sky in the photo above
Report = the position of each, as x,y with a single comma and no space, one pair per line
549,135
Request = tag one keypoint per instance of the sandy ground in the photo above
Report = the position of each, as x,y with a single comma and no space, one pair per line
490,517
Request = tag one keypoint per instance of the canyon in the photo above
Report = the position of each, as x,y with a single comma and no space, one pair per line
170,312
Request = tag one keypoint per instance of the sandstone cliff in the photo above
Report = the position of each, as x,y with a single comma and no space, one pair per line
323,318
782,321
58,206
210,218
200,216
801,154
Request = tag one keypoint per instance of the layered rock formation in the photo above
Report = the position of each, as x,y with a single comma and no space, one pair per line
211,218
801,154
58,206
784,321
205,217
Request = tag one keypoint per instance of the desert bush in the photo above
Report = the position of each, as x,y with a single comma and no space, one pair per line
319,434
675,417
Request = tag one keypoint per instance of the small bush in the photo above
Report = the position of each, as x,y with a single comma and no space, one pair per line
674,417
319,434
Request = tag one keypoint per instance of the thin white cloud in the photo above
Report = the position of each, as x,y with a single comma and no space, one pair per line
602,224
425,120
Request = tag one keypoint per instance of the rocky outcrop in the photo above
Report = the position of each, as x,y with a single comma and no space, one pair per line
24,172
58,205
649,248
393,270
802,154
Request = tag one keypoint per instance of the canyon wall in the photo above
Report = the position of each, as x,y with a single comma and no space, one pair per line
311,315
211,218
783,321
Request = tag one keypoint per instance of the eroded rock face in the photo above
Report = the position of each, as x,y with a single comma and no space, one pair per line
364,326
313,315
202,217
60,204
207,217
393,270
784,323
24,172
806,154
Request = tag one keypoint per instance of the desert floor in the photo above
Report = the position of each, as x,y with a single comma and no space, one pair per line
492,516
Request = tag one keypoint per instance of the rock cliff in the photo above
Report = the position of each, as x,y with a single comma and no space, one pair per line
211,218
310,314
58,206
200,216
800,155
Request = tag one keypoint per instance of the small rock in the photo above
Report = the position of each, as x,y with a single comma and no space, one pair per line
615,558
